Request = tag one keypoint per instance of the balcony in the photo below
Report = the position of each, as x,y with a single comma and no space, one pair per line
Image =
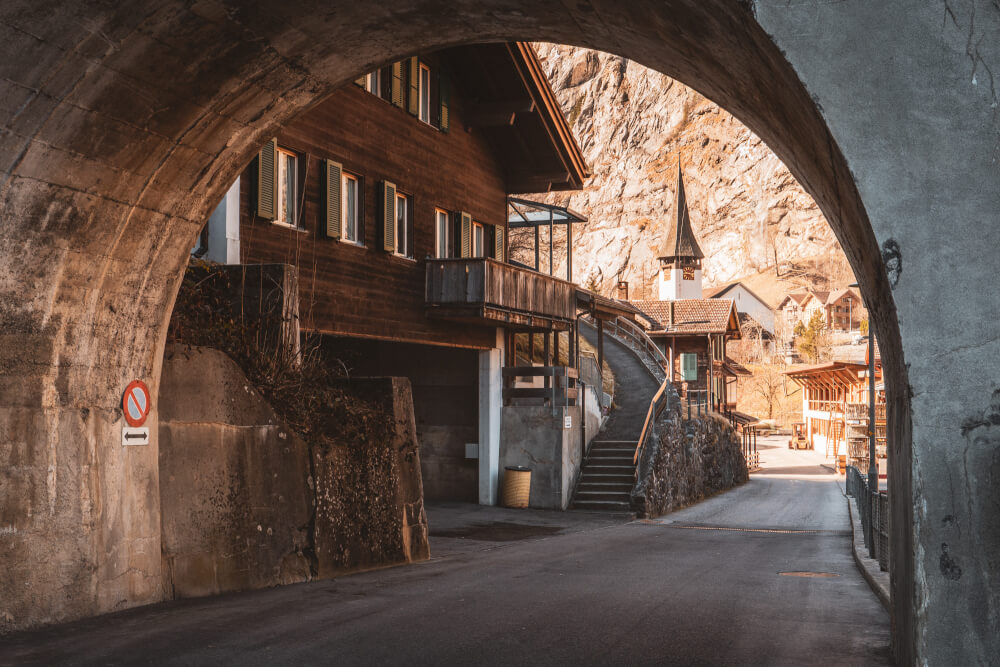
491,293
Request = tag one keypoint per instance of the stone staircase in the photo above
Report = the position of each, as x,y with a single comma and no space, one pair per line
607,477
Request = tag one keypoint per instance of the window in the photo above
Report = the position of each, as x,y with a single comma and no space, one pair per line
373,82
425,93
441,233
689,366
351,230
404,226
478,240
288,179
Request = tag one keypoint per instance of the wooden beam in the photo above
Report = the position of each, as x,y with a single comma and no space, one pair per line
497,114
540,182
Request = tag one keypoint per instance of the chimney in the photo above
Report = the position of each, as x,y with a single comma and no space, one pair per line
671,326
623,290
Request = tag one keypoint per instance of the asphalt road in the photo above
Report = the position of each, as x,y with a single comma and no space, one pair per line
760,575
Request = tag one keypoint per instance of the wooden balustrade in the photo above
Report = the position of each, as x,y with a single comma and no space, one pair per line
486,291
562,386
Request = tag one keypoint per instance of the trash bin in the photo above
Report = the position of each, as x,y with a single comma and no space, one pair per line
516,486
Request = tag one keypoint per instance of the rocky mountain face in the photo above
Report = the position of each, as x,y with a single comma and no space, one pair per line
633,125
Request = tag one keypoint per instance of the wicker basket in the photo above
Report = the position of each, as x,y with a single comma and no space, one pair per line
516,486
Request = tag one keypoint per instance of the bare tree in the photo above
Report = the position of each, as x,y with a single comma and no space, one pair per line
768,384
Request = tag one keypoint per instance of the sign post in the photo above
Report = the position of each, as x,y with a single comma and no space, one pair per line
136,403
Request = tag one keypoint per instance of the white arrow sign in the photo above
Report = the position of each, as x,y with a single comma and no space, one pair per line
132,435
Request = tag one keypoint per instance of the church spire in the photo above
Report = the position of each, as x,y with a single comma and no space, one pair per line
681,243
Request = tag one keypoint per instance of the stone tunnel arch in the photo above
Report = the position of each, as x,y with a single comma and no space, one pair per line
124,125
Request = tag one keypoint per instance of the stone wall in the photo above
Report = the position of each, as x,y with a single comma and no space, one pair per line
687,461
246,503
532,437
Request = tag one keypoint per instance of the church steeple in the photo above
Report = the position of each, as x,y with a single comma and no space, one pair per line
681,243
680,263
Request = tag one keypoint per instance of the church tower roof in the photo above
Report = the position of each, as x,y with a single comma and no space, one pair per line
681,242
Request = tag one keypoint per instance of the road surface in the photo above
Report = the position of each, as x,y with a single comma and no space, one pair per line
762,574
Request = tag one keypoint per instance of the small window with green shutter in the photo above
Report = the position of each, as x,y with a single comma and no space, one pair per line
388,215
266,180
334,199
498,242
397,94
466,234
351,215
689,366
413,95
444,102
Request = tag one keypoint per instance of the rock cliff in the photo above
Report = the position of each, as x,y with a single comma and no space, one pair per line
632,123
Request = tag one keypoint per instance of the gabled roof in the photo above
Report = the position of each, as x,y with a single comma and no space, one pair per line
839,373
691,316
735,368
820,296
680,237
840,294
798,297
511,104
719,292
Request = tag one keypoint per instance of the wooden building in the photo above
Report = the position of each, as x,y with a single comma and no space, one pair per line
694,333
391,199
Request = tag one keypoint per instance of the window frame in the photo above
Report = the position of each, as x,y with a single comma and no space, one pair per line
407,236
424,93
345,178
279,209
373,82
439,215
480,228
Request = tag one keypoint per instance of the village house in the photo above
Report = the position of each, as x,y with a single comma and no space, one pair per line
692,331
391,199
747,304
841,310
835,408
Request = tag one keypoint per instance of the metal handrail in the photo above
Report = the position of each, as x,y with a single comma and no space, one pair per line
624,331
635,331
655,408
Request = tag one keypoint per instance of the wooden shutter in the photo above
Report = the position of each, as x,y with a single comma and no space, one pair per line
397,85
689,366
334,206
267,175
444,100
414,98
388,216
498,242
466,234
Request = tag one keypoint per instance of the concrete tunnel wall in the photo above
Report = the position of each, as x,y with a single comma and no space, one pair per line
123,125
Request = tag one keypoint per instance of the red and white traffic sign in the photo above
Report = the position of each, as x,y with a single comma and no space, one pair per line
136,403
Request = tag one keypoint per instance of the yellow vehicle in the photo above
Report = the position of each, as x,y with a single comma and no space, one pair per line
798,439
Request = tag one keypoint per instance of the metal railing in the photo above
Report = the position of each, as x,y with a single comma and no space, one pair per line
695,403
590,372
873,507
560,386
633,337
657,405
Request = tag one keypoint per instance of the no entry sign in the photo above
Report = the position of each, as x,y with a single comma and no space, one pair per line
135,403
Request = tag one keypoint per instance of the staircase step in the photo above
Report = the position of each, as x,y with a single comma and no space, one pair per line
611,454
602,468
591,476
587,496
600,505
612,444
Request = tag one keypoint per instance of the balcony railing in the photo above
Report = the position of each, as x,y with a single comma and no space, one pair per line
486,291
826,406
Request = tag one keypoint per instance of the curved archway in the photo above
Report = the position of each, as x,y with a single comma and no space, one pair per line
125,127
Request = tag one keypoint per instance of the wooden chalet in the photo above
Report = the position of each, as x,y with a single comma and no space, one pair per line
391,199
693,333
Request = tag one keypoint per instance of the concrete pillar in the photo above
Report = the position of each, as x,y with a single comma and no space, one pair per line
490,410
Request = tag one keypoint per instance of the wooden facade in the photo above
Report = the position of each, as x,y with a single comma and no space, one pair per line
463,167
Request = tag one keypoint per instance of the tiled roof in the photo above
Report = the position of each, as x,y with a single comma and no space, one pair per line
821,296
695,316
735,367
797,297
841,293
